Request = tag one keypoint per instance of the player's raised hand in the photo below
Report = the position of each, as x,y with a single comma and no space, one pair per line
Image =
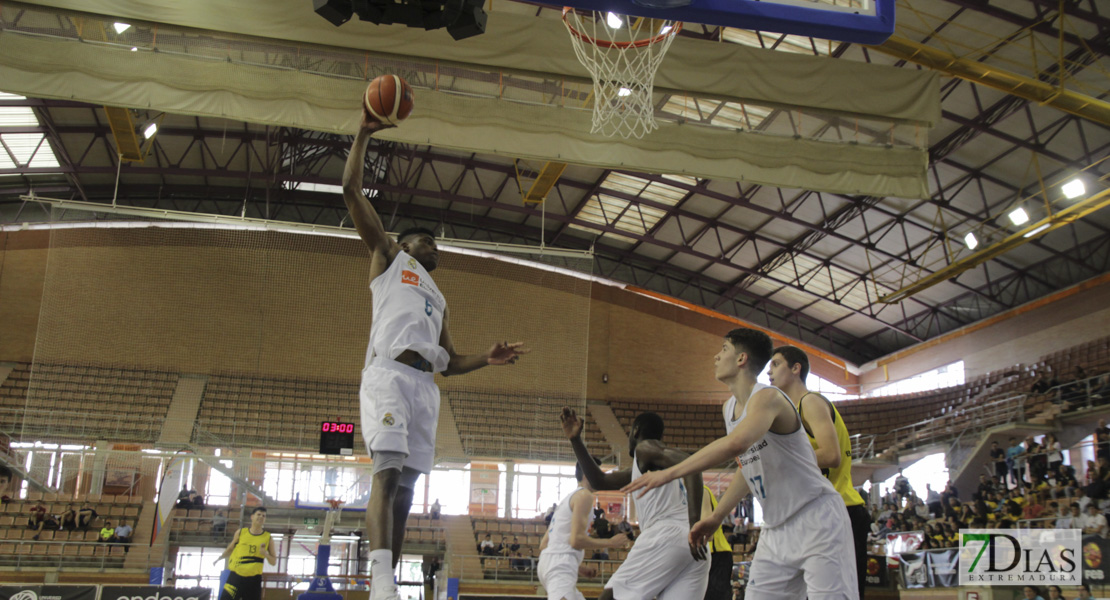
619,541
370,124
572,425
506,353
702,531
647,482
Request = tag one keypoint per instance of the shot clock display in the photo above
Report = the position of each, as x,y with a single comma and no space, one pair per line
337,438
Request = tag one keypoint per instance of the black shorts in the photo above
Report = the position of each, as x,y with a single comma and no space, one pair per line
720,577
242,588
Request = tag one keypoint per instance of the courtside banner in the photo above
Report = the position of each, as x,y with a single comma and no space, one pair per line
48,592
1020,556
152,592
168,490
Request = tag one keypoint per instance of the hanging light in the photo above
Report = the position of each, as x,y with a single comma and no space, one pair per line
1018,216
624,92
612,20
1074,189
120,27
150,130
971,241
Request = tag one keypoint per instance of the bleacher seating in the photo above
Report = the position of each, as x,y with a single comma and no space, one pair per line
74,548
242,410
85,402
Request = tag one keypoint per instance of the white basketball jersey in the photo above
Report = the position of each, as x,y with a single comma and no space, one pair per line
558,531
408,313
666,503
781,469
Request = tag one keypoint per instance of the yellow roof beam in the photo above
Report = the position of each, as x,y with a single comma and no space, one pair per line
123,130
545,181
1080,105
1031,232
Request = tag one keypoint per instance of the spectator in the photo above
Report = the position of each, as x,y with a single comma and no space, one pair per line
998,459
502,548
985,486
85,516
122,535
219,524
1042,384
1101,389
1102,440
106,532
1101,483
1054,593
626,528
1030,592
598,512
1083,593
1071,519
1037,461
920,510
5,483
600,554
601,527
183,498
1094,522
69,519
519,563
515,546
1034,507
1076,390
901,486
435,510
550,513
486,547
1063,482
1016,463
37,520
949,491
932,500
195,499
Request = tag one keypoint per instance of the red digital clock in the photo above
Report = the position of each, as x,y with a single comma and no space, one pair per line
337,438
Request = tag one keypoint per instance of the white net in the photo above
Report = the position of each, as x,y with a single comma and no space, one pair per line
622,54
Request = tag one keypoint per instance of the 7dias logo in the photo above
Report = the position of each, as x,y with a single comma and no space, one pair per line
1020,557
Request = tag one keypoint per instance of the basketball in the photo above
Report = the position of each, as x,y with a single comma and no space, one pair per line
388,99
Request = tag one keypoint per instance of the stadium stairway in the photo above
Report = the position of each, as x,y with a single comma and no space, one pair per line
459,534
448,441
183,409
615,435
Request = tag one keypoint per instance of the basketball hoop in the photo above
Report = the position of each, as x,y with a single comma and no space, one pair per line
622,55
334,503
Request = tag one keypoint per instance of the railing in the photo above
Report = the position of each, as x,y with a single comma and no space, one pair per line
977,418
1086,393
530,448
42,424
83,555
499,568
863,445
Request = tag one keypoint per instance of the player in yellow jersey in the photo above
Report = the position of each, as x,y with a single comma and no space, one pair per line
720,554
246,551
788,370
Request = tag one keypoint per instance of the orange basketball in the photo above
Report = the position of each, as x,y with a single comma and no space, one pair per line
388,99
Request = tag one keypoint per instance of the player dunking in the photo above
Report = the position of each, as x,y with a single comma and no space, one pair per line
661,564
563,545
804,548
827,433
409,341
246,551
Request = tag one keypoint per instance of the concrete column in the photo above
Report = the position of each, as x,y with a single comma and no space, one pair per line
508,501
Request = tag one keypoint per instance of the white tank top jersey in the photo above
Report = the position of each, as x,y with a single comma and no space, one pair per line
781,469
666,503
558,532
408,313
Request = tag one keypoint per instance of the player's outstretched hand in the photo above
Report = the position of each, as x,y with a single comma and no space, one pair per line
572,425
370,124
702,531
506,353
619,541
648,481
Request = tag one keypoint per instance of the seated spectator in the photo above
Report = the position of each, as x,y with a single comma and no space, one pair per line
1054,593
435,510
38,520
122,535
1100,485
219,524
1094,522
1075,392
1071,519
184,499
626,528
486,547
502,548
1101,389
514,547
520,563
600,554
1083,593
1034,507
1063,482
195,499
5,483
68,519
107,532
601,527
85,516
1031,592
920,510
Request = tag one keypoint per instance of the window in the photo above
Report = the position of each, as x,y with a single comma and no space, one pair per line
536,487
940,377
828,389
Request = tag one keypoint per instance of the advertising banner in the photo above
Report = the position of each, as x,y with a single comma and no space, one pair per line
48,592
153,592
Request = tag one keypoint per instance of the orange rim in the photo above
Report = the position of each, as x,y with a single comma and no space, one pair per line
609,44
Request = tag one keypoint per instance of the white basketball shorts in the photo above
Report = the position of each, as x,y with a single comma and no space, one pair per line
558,572
660,566
399,406
810,555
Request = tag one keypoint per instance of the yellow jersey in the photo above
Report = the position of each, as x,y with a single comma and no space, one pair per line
840,477
248,555
718,543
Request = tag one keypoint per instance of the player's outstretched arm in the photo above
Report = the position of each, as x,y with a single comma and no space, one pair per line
762,410
230,547
737,491
599,480
819,420
365,218
271,554
502,353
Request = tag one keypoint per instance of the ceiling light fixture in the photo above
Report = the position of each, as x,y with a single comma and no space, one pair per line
1018,216
150,130
121,27
1037,230
624,92
1074,189
612,20
971,241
